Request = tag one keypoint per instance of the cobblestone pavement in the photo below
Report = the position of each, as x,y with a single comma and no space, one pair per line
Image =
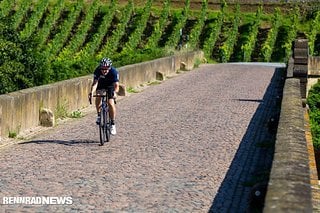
190,144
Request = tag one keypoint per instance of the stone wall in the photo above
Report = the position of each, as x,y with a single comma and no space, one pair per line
19,110
289,188
313,71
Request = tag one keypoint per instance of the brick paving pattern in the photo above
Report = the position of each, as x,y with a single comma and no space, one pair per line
190,144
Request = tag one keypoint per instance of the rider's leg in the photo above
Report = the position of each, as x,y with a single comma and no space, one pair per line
112,114
98,104
112,109
98,107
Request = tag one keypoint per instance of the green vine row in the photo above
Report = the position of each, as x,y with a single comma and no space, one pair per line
81,34
135,37
227,48
182,19
6,7
159,26
34,20
268,46
50,22
196,31
92,46
312,35
23,7
59,40
292,33
209,43
112,43
248,47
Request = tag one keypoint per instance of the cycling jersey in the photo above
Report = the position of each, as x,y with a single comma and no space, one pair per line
105,81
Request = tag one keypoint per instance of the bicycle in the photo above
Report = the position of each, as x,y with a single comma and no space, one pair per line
105,124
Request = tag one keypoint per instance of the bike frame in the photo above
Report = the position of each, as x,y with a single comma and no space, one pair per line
104,126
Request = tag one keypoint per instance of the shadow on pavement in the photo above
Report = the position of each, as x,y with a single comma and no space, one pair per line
249,100
244,186
63,142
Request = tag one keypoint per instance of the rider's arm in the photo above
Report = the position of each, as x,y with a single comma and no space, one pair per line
95,81
116,80
94,86
116,87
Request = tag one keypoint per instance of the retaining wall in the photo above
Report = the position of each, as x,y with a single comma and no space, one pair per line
19,111
313,71
314,65
289,187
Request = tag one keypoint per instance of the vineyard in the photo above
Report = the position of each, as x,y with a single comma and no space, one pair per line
52,40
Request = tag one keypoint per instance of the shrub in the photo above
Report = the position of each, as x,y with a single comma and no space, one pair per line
313,101
20,66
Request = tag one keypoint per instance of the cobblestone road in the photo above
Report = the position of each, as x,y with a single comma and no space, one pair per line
189,144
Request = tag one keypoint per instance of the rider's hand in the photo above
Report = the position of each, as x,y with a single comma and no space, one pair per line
114,94
90,97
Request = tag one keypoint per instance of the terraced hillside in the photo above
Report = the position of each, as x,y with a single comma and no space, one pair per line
52,40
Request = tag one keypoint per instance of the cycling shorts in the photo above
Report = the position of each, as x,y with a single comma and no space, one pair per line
109,90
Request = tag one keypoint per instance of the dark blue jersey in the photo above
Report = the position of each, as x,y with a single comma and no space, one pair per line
105,81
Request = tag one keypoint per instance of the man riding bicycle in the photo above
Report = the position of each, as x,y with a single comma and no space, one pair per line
106,78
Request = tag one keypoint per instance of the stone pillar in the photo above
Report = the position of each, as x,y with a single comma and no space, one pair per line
300,68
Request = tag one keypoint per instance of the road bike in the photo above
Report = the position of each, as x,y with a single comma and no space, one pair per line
105,124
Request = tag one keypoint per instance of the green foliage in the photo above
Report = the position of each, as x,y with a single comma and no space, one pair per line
312,34
92,46
79,38
51,20
112,44
47,41
76,114
20,66
132,90
227,48
137,56
196,31
159,26
250,42
23,7
211,40
182,18
313,101
135,37
291,34
5,7
12,134
267,48
34,19
61,110
55,45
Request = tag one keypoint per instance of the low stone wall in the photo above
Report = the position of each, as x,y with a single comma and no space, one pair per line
314,65
313,71
289,188
19,110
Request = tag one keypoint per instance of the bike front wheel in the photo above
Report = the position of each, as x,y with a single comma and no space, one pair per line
104,129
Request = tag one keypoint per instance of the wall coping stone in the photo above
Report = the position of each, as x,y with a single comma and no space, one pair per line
289,187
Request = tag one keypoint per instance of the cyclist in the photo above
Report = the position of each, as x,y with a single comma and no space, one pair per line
106,77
